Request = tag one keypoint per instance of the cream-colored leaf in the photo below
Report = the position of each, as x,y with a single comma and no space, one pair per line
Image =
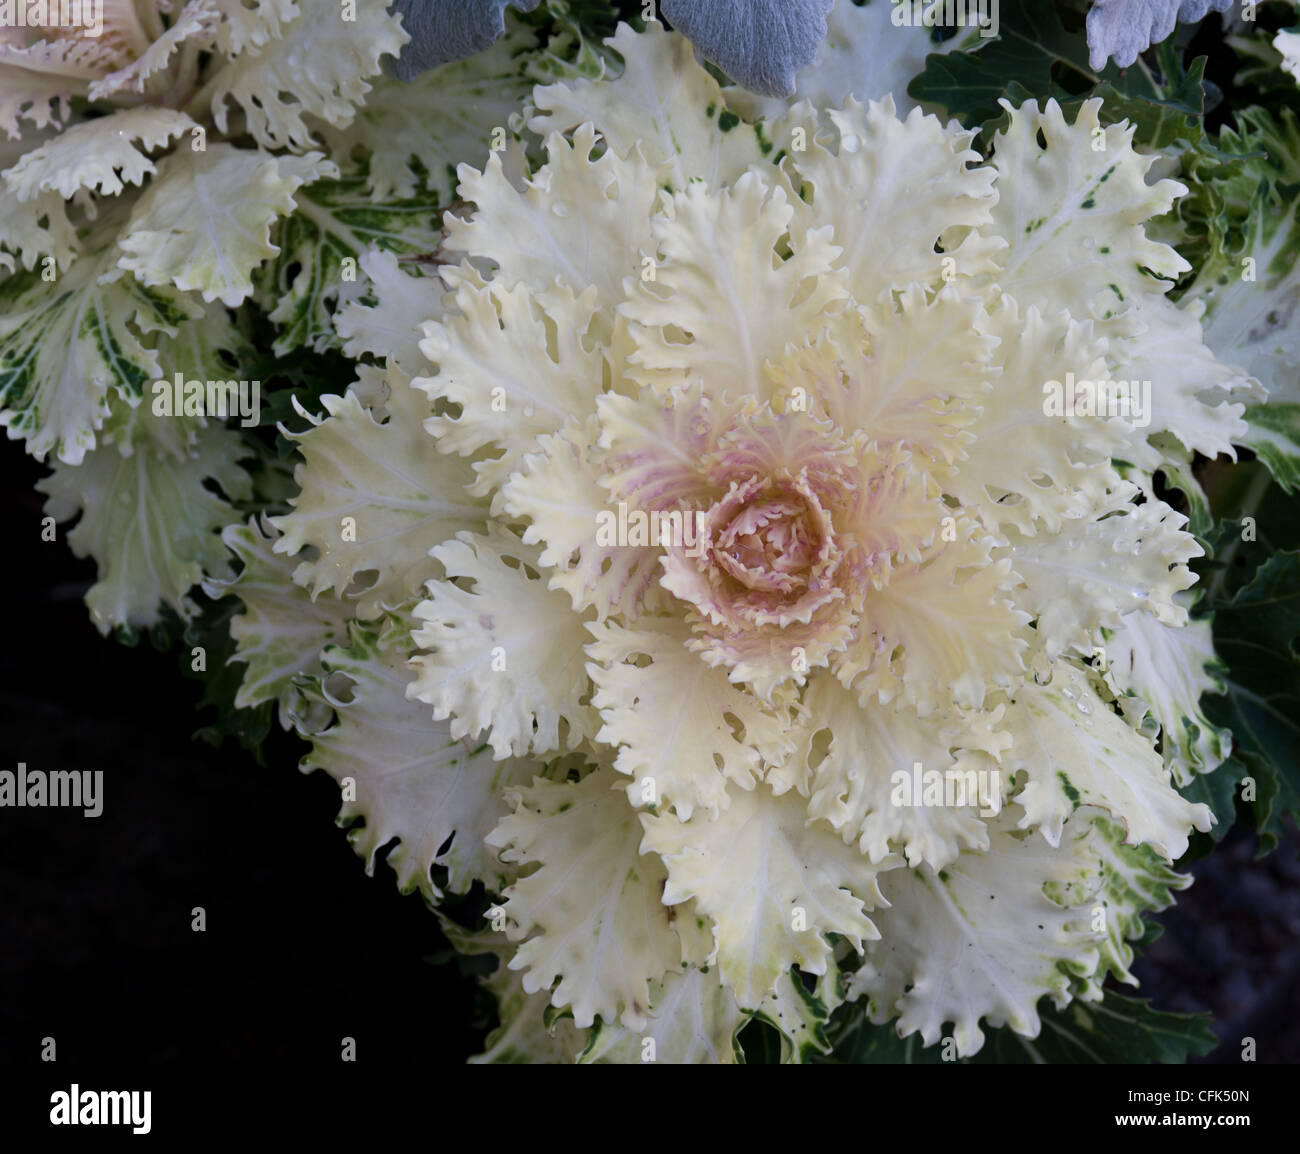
1170,669
322,58
722,281
506,659
557,490
402,774
391,327
943,631
868,776
890,192
194,23
39,81
1074,750
979,941
591,911
774,882
908,372
104,155
682,730
281,632
375,497
1072,214
693,1019
1117,559
204,223
583,221
1190,390
518,368
1027,465
663,101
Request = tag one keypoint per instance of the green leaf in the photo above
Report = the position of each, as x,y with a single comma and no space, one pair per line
1115,1030
1218,790
301,376
855,1041
1032,52
1255,518
221,680
1257,634
1035,57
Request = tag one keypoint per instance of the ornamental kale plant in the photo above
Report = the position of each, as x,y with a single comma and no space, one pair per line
763,518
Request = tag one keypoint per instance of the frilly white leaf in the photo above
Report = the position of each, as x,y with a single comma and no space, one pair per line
672,719
693,1019
662,103
507,658
104,155
1169,670
204,223
774,882
281,632
375,497
391,326
1074,750
980,940
321,57
404,776
1072,214
148,518
591,911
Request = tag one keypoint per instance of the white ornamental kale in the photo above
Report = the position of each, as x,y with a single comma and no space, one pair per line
756,568
163,165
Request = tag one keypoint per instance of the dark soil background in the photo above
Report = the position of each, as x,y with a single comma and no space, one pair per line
301,948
